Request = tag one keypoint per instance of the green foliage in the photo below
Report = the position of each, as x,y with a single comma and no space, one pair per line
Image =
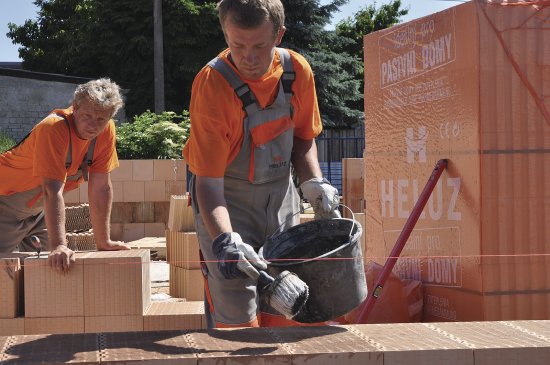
337,74
98,38
6,142
153,136
367,20
337,88
106,38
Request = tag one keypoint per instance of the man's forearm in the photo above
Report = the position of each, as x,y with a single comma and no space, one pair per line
101,199
212,205
54,206
304,159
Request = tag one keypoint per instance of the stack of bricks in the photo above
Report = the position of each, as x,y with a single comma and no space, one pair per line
182,251
102,292
141,197
78,228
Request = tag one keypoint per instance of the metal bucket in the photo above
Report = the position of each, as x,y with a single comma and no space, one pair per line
326,255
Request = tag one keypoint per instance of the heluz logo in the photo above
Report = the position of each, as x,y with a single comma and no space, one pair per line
416,146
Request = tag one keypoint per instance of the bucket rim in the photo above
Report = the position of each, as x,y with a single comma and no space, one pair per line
355,223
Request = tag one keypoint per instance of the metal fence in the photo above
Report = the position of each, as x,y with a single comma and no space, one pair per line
331,151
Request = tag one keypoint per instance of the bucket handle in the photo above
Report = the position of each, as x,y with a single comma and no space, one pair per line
302,210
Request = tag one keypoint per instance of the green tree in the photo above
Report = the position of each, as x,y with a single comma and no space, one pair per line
336,73
367,20
95,38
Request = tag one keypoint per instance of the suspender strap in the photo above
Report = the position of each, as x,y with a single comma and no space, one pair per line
87,160
241,89
289,75
69,158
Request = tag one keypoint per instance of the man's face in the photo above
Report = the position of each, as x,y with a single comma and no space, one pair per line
90,119
252,50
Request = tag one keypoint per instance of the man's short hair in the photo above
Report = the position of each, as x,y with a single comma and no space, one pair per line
102,92
252,13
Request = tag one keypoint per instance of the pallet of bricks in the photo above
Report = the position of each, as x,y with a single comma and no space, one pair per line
182,251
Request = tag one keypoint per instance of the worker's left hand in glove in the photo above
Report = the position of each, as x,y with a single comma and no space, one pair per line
322,196
236,259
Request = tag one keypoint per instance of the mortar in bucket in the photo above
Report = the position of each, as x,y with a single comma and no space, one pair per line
326,255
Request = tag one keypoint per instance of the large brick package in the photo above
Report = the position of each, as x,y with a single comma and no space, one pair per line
470,84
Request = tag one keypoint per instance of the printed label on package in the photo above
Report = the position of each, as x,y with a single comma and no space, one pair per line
431,255
416,48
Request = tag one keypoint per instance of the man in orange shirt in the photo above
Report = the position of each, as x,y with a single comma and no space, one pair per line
254,114
66,148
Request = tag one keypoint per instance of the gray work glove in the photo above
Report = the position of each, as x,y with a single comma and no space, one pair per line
236,259
322,196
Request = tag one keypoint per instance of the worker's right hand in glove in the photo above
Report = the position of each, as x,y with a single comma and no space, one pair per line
236,259
322,196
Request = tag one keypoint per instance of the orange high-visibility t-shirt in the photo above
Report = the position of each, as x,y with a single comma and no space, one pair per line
217,114
43,154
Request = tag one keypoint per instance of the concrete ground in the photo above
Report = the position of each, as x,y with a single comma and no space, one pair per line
160,277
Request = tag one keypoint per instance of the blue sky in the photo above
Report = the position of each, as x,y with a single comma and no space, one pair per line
17,11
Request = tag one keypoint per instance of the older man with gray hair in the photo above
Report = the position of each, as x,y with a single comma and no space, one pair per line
66,148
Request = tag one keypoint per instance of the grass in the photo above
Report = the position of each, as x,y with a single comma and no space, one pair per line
6,142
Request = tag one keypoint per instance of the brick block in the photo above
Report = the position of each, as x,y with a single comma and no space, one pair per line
134,191
133,231
155,191
169,170
183,248
57,325
143,212
163,316
117,231
11,284
12,326
142,170
181,217
116,283
124,172
118,191
174,188
50,294
72,196
154,229
122,212
188,284
83,190
113,324
162,210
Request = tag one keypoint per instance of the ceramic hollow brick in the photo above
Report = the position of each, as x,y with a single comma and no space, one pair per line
117,283
12,326
155,191
169,170
164,316
51,294
54,325
124,172
142,170
181,217
113,323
